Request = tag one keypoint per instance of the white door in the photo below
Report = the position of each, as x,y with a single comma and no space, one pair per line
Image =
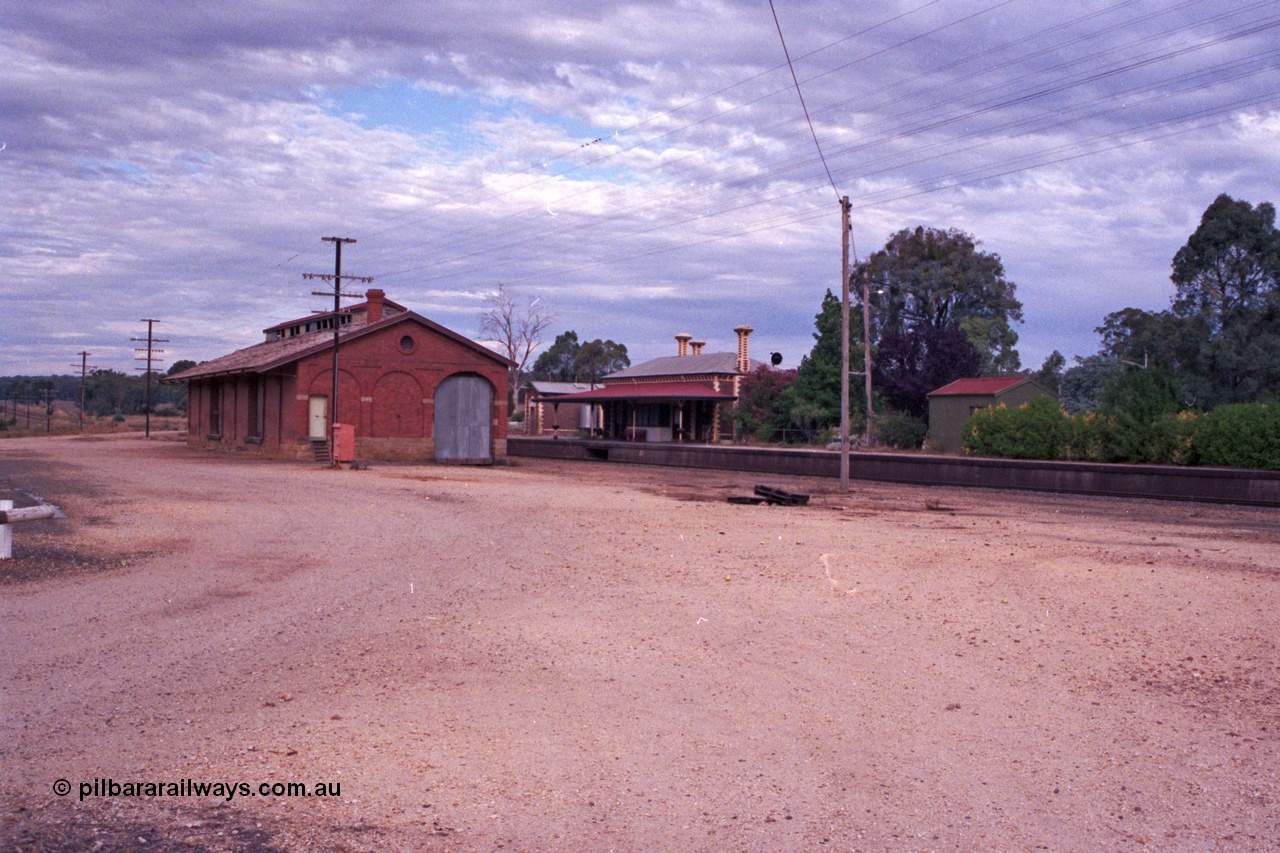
319,420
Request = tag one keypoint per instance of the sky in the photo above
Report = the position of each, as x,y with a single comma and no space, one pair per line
639,168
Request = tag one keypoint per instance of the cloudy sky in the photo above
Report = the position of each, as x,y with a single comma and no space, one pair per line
640,168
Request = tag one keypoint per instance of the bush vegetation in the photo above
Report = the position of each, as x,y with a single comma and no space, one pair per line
1242,435
900,430
1037,430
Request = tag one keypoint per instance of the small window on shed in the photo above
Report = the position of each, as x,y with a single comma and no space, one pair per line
406,343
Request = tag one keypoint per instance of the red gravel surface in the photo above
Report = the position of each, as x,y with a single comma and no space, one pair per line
588,656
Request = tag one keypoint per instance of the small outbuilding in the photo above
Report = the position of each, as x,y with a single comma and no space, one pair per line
546,412
951,405
409,389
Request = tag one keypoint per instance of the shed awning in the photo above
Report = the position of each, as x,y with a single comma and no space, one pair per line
649,392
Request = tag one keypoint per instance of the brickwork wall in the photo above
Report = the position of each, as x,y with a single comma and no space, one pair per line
385,389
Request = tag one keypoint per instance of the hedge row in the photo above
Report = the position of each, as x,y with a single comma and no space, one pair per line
1245,435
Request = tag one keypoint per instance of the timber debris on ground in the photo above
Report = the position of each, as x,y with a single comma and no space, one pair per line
772,496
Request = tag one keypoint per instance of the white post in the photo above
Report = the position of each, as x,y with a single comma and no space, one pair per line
6,534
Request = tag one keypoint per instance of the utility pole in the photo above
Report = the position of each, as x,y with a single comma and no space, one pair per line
337,279
866,347
48,407
151,353
844,343
84,372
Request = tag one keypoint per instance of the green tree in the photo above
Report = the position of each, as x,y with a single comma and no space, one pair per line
596,359
110,392
1050,373
928,286
556,362
1220,340
996,344
1229,269
1083,386
567,360
937,278
815,395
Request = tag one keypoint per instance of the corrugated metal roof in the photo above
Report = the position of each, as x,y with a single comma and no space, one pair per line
651,391
979,385
272,354
722,363
551,388
262,356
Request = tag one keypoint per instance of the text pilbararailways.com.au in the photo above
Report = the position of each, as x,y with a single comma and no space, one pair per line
191,788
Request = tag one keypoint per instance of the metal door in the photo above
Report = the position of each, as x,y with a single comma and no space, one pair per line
461,428
318,423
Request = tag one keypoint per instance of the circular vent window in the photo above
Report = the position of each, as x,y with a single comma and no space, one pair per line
406,343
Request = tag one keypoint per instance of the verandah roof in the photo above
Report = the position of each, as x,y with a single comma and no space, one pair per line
648,392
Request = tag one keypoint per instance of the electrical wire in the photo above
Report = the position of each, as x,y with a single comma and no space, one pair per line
1023,122
803,106
998,98
918,129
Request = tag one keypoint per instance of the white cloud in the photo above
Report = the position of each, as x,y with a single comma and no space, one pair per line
184,164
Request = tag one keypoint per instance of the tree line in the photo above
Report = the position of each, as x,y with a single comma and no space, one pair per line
942,309
1196,383
106,392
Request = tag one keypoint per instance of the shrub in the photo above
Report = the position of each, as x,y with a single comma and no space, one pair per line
900,430
1137,402
1036,430
763,405
1089,435
1242,435
1171,438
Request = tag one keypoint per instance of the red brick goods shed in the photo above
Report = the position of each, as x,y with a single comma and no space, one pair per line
411,389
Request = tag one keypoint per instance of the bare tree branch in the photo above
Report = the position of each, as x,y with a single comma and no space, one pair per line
518,325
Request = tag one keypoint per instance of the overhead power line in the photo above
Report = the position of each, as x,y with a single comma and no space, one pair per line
906,124
800,95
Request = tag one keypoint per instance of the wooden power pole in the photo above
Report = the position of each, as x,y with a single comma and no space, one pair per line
844,344
152,354
84,372
337,278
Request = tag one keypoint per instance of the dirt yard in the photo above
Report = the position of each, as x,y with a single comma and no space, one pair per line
594,657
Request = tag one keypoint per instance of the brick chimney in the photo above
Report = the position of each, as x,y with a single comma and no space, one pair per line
682,343
697,346
744,361
375,298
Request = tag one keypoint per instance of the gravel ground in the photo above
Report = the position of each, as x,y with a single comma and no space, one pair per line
586,656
